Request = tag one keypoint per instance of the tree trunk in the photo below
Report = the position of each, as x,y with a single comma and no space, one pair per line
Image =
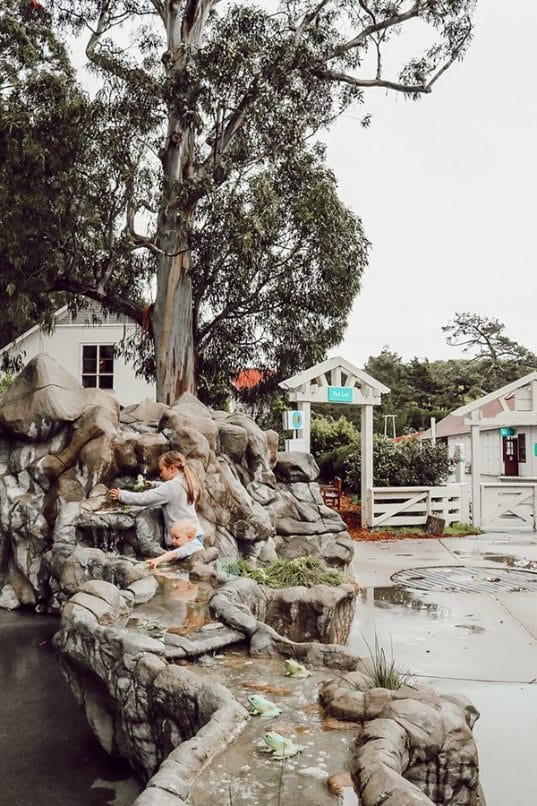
172,330
172,315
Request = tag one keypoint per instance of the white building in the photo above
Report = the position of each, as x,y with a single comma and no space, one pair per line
85,348
507,423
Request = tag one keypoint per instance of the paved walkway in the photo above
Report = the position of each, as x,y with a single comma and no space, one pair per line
481,645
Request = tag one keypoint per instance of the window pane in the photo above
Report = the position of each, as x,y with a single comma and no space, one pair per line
106,366
89,381
106,381
89,358
106,358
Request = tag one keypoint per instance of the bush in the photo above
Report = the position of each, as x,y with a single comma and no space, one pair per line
335,445
332,444
411,463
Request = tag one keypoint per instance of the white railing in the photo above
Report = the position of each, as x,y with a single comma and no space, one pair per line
410,506
509,506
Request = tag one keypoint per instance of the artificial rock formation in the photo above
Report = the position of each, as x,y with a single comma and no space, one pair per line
414,746
160,717
61,446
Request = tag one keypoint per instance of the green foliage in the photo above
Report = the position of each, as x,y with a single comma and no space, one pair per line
336,448
6,381
333,442
283,573
65,176
328,435
421,389
457,529
501,359
197,140
384,670
276,261
409,463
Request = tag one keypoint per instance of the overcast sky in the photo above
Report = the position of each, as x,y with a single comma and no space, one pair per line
446,189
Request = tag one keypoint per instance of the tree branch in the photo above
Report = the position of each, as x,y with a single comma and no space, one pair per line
122,306
307,19
454,57
142,241
389,22
159,8
372,82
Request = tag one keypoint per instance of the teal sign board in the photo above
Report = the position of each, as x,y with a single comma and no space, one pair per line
296,419
507,432
535,448
340,394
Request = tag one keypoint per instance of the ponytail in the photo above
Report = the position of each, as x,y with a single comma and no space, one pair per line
192,483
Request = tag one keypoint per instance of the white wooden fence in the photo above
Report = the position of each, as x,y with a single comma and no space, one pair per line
508,506
410,506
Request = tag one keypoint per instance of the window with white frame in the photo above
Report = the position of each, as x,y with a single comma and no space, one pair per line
98,366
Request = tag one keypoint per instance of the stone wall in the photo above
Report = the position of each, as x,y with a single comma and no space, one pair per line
162,718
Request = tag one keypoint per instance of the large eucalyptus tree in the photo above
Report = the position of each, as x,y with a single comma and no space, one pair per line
212,105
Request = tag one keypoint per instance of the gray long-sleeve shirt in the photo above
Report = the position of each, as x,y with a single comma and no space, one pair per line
171,496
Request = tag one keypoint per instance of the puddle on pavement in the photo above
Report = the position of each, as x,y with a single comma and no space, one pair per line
405,599
511,561
178,603
245,773
470,628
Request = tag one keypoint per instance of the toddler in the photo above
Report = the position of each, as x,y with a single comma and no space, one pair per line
185,539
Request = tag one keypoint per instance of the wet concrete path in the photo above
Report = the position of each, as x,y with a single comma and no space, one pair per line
480,644
48,754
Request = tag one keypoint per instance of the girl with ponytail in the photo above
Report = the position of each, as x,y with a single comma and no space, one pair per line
177,493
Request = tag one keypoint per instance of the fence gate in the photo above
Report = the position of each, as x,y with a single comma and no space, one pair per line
410,506
508,506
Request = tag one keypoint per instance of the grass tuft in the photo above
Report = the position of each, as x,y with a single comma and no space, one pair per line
283,573
384,672
462,529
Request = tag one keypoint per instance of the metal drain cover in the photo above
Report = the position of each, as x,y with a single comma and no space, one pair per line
467,579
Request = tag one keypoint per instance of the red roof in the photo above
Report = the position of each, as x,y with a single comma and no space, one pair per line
248,378
409,437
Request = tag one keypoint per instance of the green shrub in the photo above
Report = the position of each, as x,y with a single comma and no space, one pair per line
332,443
412,463
335,444
327,435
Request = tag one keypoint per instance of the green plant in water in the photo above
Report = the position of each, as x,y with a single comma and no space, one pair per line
384,672
283,573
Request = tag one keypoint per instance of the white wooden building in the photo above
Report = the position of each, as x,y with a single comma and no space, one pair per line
507,420
498,433
84,346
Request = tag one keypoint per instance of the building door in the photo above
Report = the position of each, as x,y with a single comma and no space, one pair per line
510,456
